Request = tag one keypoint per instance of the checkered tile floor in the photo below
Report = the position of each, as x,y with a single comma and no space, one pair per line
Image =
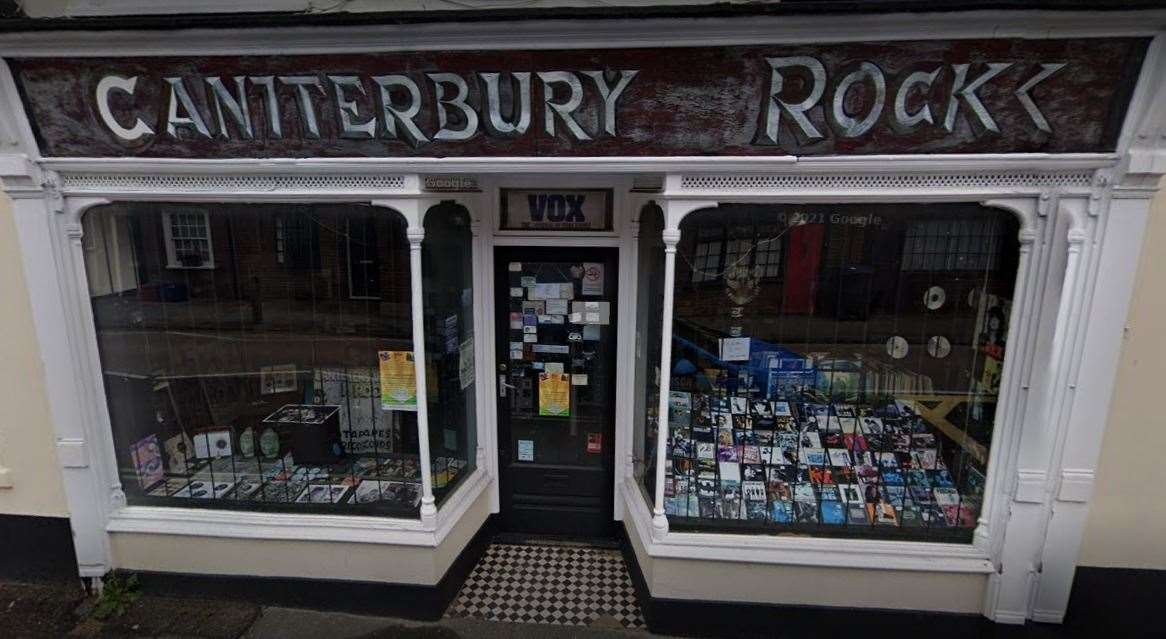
565,585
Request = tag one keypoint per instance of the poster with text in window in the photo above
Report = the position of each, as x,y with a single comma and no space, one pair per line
398,380
554,395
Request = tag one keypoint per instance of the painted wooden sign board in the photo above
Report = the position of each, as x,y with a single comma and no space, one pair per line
556,210
935,96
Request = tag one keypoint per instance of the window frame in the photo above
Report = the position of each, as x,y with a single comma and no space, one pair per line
726,237
172,261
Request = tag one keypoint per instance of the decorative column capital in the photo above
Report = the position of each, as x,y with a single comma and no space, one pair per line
415,234
671,238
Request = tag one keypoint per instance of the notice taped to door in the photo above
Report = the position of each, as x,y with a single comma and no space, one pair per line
554,395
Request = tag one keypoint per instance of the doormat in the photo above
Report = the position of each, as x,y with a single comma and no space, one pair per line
550,584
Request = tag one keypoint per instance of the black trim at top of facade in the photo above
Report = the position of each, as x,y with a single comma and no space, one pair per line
12,18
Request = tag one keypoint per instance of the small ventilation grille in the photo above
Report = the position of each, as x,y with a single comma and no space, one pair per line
102,182
885,182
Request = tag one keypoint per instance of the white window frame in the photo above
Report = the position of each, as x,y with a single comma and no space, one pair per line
172,261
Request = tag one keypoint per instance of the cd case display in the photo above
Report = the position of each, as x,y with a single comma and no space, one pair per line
814,467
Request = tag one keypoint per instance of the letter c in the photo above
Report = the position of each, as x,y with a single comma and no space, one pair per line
107,84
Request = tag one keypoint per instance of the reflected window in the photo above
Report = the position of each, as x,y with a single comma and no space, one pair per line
447,256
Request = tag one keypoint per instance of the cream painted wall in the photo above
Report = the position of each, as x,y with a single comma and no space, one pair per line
802,585
26,431
1127,518
280,558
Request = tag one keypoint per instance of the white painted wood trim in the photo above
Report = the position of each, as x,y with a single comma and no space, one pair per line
586,34
659,519
238,524
896,164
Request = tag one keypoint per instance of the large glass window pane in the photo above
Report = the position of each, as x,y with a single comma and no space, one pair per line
257,356
447,255
835,370
649,318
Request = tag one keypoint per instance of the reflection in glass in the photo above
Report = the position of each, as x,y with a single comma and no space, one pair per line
649,317
448,269
244,352
835,368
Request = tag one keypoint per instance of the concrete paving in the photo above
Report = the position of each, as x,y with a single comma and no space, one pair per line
292,623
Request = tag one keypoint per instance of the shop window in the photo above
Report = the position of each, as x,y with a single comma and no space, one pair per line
240,384
447,257
853,396
649,316
188,239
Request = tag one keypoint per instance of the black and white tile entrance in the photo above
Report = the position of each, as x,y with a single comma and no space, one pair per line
550,584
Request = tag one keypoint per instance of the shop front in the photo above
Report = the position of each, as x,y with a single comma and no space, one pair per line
799,322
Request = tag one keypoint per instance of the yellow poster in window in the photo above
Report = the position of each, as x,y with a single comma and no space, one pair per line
554,395
398,380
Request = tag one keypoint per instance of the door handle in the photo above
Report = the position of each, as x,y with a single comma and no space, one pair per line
502,386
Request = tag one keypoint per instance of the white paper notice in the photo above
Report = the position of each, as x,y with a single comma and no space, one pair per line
516,291
592,278
556,307
735,349
526,450
591,312
578,380
543,291
591,332
466,364
515,267
530,338
553,367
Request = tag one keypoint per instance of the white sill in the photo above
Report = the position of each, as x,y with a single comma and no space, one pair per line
826,552
242,524
237,524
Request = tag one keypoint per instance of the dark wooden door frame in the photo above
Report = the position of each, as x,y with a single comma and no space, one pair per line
503,255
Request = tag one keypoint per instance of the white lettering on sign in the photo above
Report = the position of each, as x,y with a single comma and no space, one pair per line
107,84
964,89
460,115
574,210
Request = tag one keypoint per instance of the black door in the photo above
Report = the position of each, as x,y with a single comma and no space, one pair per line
556,371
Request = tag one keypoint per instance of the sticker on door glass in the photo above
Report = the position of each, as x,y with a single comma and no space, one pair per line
526,450
594,442
592,278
